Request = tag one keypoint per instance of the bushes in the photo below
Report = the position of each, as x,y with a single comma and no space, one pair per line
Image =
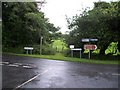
17,50
46,50
36,49
66,52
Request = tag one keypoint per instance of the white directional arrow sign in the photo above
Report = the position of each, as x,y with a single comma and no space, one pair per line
90,47
95,47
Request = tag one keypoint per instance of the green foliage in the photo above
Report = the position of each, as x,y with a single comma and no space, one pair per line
59,45
48,50
24,24
112,49
101,22
67,53
18,50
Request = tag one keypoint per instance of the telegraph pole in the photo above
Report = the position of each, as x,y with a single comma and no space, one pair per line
41,45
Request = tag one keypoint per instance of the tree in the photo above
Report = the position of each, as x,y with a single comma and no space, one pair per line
101,22
24,24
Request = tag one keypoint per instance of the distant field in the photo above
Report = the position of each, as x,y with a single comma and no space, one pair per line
59,45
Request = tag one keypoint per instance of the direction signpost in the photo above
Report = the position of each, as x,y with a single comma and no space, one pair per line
76,49
71,46
85,40
28,48
89,46
93,40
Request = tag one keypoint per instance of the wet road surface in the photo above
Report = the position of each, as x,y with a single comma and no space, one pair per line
26,72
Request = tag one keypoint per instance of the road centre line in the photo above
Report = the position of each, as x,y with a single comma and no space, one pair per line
31,79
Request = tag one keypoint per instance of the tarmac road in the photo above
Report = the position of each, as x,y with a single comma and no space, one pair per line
26,72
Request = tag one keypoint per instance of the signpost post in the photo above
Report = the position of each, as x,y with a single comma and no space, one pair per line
76,49
41,38
71,47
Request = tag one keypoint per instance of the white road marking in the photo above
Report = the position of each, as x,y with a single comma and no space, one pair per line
24,65
100,73
116,74
18,63
31,79
13,65
1,64
5,62
27,67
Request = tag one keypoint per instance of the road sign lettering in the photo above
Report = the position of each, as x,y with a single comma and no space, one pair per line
89,40
93,40
29,48
85,40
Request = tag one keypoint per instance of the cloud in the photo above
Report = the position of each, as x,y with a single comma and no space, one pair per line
56,10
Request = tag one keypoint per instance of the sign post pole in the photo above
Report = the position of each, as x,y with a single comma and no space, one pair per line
27,51
41,45
80,53
89,54
71,47
71,53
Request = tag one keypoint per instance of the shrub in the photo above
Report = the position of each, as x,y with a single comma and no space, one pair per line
66,52
18,50
48,50
36,49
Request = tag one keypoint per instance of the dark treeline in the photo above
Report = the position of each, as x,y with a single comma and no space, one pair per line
23,24
101,22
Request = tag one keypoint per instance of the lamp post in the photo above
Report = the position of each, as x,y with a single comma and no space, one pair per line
41,45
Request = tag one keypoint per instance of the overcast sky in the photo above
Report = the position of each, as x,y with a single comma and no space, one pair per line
56,10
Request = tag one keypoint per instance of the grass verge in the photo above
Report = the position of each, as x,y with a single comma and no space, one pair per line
63,58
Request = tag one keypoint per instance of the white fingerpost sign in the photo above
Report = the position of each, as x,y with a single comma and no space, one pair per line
85,40
28,48
76,49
